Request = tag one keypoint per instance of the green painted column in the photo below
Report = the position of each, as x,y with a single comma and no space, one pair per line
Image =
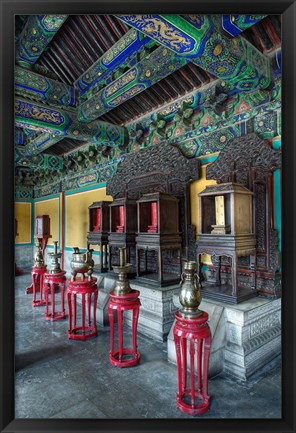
277,196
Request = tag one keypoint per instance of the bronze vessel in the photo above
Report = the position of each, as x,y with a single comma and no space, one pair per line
122,284
54,265
82,263
38,257
190,296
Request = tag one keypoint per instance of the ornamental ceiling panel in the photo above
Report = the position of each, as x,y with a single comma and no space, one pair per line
85,78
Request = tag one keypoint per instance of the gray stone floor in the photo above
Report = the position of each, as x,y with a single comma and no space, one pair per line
60,378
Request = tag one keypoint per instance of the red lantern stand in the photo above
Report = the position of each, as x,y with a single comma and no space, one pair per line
121,303
54,283
37,284
196,332
85,288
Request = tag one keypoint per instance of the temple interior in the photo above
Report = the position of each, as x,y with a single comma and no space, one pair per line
148,215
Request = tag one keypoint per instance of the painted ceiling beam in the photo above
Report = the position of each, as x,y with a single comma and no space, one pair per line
64,123
19,138
239,65
40,161
35,37
235,24
242,67
21,159
34,86
40,143
156,66
127,45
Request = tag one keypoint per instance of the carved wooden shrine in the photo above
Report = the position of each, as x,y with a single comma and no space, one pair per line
158,234
159,169
42,230
249,162
123,223
226,230
99,224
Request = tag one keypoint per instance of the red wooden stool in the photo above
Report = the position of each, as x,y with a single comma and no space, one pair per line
37,284
196,331
52,282
120,303
82,287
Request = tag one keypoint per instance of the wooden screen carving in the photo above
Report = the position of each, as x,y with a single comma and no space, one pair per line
160,168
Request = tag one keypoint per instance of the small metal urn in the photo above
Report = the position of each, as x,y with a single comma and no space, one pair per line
190,296
82,263
38,258
122,284
54,266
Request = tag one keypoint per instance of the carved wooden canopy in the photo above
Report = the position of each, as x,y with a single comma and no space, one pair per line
159,165
241,155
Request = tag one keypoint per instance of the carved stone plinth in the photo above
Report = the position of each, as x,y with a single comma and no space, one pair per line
253,336
157,310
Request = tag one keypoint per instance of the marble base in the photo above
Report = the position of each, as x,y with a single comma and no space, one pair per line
105,285
253,336
245,337
157,310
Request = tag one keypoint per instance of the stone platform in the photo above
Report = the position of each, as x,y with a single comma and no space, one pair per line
245,337
157,309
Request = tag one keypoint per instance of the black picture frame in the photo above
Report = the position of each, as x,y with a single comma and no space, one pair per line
8,10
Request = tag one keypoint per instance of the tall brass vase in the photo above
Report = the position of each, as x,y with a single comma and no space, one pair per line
190,296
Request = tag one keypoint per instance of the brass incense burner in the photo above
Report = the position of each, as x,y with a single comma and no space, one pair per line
82,263
190,296
122,284
38,257
54,266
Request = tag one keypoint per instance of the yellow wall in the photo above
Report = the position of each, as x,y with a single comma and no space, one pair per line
50,207
76,213
23,215
195,188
